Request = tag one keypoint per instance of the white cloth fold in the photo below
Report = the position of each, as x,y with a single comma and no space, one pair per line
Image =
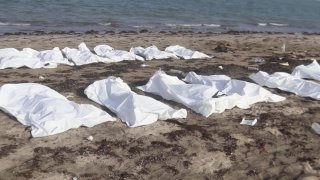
13,58
116,55
287,82
152,52
185,53
311,71
197,97
133,109
249,93
47,111
83,55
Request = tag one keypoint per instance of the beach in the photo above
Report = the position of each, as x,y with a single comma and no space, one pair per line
281,145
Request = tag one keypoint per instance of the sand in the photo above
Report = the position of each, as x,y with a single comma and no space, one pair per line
281,145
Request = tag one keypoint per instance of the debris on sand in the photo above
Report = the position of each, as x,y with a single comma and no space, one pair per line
283,47
221,48
249,122
309,170
253,68
176,72
260,60
284,64
316,127
90,138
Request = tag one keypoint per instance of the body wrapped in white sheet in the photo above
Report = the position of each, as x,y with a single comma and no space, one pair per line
83,55
47,111
185,53
13,58
152,52
249,93
116,55
133,109
197,97
287,82
311,71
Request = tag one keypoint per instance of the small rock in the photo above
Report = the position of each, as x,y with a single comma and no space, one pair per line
221,48
144,31
91,32
273,131
41,77
220,67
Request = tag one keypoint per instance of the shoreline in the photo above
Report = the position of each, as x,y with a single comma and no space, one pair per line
143,31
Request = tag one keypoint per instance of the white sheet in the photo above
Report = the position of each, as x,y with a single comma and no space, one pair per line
249,93
311,71
133,109
287,82
217,82
47,111
248,122
83,55
116,55
152,52
197,97
316,127
185,53
13,58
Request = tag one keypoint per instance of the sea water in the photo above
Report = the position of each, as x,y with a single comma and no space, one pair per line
167,15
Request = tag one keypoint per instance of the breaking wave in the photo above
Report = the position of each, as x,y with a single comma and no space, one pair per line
14,24
193,25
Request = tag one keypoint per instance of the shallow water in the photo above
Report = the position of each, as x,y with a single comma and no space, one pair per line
200,15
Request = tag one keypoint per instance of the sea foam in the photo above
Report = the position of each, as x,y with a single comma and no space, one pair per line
13,24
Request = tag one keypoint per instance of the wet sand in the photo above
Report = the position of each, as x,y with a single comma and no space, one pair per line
281,145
